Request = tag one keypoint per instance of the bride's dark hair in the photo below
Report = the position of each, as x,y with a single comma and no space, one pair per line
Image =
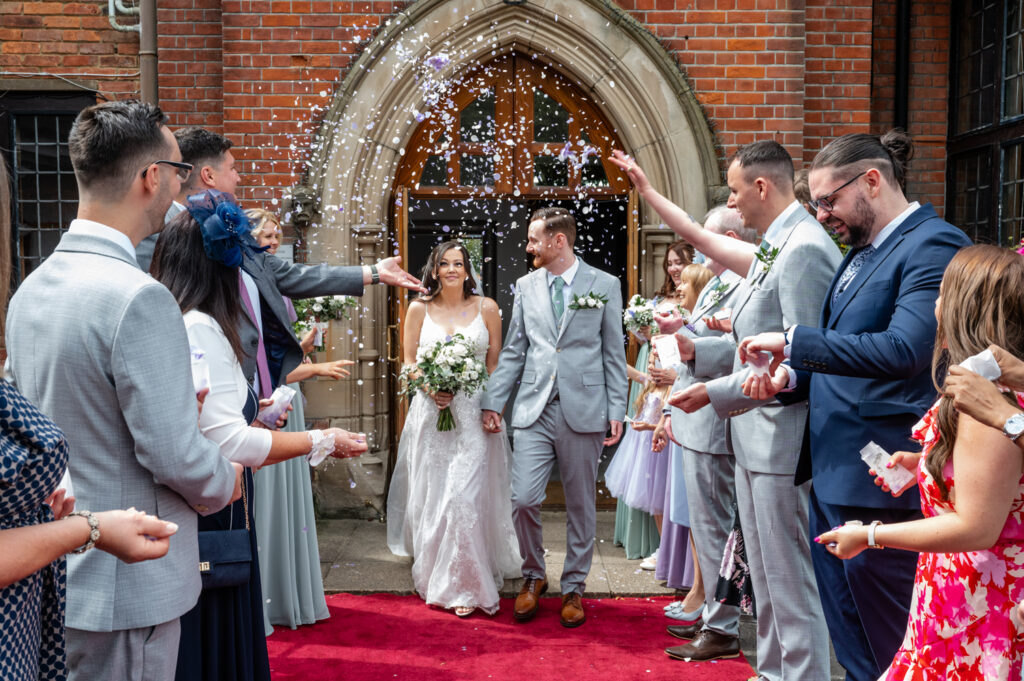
429,275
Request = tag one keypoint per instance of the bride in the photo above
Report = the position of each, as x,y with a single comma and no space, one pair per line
449,504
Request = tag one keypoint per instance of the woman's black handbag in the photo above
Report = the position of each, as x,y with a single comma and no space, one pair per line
225,556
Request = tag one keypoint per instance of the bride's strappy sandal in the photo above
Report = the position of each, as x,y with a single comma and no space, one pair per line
464,611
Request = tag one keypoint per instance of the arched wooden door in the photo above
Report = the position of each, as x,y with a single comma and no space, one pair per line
511,136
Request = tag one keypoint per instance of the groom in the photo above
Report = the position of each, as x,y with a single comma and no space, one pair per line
562,349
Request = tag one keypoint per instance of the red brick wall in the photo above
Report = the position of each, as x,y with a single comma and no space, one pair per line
69,39
838,79
746,63
191,73
282,62
264,71
928,95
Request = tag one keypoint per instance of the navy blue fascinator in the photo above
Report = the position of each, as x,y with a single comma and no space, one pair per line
224,226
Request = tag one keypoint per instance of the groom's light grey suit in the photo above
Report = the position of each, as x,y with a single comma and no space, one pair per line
100,347
573,383
766,437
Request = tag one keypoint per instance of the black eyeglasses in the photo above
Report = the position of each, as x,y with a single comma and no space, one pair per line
183,169
825,202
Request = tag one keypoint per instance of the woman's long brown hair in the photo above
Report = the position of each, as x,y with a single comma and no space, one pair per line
982,304
684,250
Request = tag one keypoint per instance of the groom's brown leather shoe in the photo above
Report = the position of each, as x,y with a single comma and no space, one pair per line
686,631
572,610
529,598
708,645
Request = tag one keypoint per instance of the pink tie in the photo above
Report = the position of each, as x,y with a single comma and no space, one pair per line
261,352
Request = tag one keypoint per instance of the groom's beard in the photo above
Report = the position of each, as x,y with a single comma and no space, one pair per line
540,261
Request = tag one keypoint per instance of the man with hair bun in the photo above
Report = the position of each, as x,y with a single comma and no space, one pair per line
865,370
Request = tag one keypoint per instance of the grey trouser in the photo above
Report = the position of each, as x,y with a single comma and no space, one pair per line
710,491
144,654
547,441
792,637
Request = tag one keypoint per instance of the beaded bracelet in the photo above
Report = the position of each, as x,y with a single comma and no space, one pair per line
94,530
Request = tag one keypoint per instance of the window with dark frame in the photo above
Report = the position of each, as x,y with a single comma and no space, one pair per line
985,169
34,129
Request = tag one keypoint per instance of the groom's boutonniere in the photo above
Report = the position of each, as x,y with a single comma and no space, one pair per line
767,258
588,301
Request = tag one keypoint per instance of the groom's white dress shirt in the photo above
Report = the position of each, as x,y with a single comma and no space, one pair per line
567,277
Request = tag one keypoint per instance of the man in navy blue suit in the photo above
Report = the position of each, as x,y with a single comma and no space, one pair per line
866,373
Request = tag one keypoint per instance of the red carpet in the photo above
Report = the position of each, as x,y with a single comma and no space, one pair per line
398,637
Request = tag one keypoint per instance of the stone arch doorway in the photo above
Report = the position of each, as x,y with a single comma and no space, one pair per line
514,135
368,131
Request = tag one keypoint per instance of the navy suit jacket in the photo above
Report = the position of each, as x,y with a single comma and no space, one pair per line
867,370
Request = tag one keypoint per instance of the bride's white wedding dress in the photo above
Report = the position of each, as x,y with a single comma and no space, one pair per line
449,506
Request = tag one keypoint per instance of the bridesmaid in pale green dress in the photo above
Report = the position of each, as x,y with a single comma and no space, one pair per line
635,530
293,589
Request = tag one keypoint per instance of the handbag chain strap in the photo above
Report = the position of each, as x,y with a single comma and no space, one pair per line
245,506
245,501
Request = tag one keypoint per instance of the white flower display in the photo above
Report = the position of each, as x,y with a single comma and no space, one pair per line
315,313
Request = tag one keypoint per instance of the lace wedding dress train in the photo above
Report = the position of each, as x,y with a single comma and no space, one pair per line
449,506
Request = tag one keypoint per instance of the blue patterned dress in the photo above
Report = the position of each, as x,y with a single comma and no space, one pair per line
33,456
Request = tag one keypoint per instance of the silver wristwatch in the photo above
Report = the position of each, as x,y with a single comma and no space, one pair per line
1014,426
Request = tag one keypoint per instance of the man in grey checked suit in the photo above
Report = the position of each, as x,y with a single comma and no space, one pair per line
565,356
784,285
101,348
706,466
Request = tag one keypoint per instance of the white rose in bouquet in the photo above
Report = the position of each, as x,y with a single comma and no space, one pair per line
449,365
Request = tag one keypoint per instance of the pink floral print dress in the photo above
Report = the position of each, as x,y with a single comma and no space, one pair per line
963,619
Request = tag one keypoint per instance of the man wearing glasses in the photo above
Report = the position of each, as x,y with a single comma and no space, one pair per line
100,346
865,370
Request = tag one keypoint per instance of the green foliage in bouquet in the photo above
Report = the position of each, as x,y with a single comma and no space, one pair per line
448,366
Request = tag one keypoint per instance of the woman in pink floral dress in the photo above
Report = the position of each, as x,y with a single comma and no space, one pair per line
964,624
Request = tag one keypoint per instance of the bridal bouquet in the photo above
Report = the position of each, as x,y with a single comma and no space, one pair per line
449,366
315,313
639,313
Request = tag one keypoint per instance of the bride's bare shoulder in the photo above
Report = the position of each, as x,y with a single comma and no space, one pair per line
417,310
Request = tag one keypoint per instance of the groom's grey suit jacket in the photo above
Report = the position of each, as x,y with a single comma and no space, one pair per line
583,358
765,436
100,347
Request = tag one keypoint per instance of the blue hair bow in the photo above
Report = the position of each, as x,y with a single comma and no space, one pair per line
224,226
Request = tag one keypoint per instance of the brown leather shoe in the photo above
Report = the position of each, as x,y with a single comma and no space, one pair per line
686,631
708,645
529,598
572,610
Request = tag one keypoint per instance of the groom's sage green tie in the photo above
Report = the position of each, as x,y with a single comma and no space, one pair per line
557,302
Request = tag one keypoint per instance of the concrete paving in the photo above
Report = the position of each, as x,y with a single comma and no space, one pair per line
355,559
